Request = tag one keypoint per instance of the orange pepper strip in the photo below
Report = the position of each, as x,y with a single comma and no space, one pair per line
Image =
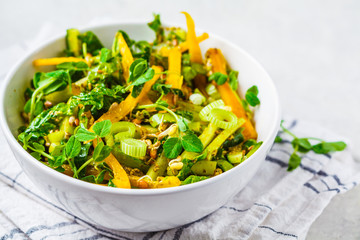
56,61
118,112
127,58
174,73
194,48
185,45
230,97
115,114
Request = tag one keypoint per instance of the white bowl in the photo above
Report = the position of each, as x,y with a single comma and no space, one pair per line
141,210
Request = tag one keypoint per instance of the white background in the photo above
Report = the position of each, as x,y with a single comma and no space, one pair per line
310,48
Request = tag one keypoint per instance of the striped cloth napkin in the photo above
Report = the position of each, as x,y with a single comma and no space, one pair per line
275,204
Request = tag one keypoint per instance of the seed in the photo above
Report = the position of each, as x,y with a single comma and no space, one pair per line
72,121
153,153
48,104
176,165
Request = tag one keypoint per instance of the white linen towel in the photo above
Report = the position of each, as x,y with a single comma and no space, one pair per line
275,204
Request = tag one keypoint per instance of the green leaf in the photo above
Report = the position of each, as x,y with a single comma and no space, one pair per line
84,135
105,55
251,96
76,66
199,68
192,143
36,155
193,179
101,152
137,68
147,76
73,147
172,147
100,177
156,23
92,42
233,79
189,73
278,139
102,128
183,127
90,179
39,147
186,169
304,145
294,161
218,77
326,147
111,184
137,90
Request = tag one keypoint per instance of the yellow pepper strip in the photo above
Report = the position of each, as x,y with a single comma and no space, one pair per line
127,58
56,61
194,48
118,112
185,45
121,179
230,97
140,182
174,72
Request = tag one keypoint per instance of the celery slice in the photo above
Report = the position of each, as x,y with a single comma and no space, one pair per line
133,147
204,113
222,118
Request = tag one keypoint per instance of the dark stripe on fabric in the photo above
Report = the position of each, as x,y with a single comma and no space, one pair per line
162,235
149,235
277,161
12,234
16,177
277,232
235,209
263,205
180,230
42,227
60,235
63,210
308,185
327,186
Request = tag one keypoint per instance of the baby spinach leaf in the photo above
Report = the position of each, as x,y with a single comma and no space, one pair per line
218,77
102,128
251,96
101,152
84,135
92,42
172,147
326,147
233,79
105,55
192,143
73,147
294,161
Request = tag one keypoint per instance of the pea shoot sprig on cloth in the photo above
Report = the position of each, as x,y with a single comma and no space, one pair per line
304,145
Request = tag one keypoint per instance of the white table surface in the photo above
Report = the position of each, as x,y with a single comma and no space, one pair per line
310,48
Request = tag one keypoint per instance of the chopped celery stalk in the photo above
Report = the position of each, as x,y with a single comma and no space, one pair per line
197,99
55,137
189,106
133,147
195,126
52,146
204,168
59,96
158,168
72,41
204,113
224,165
66,126
121,130
212,91
158,118
253,149
208,134
129,161
222,118
235,157
220,139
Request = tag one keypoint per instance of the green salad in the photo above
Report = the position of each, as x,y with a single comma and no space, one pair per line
139,114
